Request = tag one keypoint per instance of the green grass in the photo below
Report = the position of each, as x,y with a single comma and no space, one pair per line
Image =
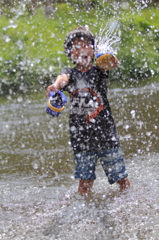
32,46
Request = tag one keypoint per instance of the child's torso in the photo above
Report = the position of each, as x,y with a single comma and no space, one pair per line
91,122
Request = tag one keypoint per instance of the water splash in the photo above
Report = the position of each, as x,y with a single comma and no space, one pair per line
108,39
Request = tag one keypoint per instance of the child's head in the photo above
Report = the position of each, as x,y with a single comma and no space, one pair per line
80,43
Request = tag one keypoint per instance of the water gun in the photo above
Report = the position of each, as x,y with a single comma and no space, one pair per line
56,103
105,61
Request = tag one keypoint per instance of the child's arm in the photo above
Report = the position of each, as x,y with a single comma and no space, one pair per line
61,81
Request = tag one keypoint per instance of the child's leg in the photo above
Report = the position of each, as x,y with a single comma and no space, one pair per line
124,184
113,164
85,170
85,186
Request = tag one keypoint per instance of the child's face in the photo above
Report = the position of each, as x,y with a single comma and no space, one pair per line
82,52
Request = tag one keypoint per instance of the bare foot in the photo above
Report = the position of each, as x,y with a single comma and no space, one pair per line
124,184
85,186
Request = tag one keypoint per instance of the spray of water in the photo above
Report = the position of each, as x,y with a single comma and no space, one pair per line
108,39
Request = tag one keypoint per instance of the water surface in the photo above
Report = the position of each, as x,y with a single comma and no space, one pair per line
39,197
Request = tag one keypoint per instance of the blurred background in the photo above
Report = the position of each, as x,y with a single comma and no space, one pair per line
33,32
38,193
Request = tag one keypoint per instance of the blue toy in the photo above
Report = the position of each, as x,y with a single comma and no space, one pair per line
56,103
100,54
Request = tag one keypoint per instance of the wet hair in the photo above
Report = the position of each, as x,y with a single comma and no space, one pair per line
79,33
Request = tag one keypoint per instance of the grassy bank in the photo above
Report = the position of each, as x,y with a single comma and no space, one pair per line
32,45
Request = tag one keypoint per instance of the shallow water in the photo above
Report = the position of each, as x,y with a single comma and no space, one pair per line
39,197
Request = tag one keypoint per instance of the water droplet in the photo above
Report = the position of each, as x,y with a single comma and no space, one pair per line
35,166
125,5
73,128
6,38
19,44
13,25
50,68
126,126
148,133
145,65
19,99
133,113
152,72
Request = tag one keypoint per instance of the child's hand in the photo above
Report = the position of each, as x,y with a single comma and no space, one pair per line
116,62
61,81
51,88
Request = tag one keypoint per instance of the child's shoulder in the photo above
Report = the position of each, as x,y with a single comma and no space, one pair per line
67,70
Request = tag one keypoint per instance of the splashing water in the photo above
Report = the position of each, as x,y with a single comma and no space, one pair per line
38,192
109,39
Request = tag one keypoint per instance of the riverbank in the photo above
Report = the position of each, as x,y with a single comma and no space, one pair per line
32,45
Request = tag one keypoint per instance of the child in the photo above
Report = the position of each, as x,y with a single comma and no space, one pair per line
92,129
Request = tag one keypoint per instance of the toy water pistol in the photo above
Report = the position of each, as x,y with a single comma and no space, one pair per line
56,103
105,61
